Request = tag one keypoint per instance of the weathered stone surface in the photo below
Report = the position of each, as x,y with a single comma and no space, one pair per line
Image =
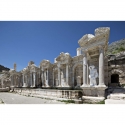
48,93
90,72
90,99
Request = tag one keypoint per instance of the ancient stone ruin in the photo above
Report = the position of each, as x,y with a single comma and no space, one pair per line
84,76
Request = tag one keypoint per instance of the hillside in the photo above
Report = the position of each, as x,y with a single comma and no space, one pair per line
3,68
116,47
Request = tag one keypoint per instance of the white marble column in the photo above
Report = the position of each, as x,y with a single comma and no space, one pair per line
23,80
34,79
31,80
87,72
47,81
42,78
59,79
101,66
67,75
84,69
53,77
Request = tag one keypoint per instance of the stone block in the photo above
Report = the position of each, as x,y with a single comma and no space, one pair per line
90,99
101,91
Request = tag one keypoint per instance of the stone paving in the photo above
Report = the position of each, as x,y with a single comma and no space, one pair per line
12,98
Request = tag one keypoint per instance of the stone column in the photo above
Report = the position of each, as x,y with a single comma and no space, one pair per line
88,73
59,80
84,68
42,78
34,79
101,66
39,78
47,83
26,81
31,82
23,80
53,77
67,75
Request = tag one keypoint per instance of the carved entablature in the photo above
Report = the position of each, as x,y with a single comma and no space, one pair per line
45,64
77,59
33,68
64,58
91,42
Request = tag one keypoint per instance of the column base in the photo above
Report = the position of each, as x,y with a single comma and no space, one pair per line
85,85
32,86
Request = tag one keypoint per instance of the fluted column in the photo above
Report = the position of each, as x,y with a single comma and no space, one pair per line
101,66
84,68
59,80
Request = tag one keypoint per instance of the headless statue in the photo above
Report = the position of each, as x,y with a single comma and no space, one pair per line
93,75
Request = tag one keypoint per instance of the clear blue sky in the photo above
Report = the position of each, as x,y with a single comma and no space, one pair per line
21,42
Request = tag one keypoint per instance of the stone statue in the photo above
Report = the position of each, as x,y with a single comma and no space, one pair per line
93,75
78,81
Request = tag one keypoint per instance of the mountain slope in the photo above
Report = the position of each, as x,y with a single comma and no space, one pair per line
3,68
116,47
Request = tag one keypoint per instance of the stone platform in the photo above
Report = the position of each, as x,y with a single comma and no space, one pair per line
4,89
50,93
